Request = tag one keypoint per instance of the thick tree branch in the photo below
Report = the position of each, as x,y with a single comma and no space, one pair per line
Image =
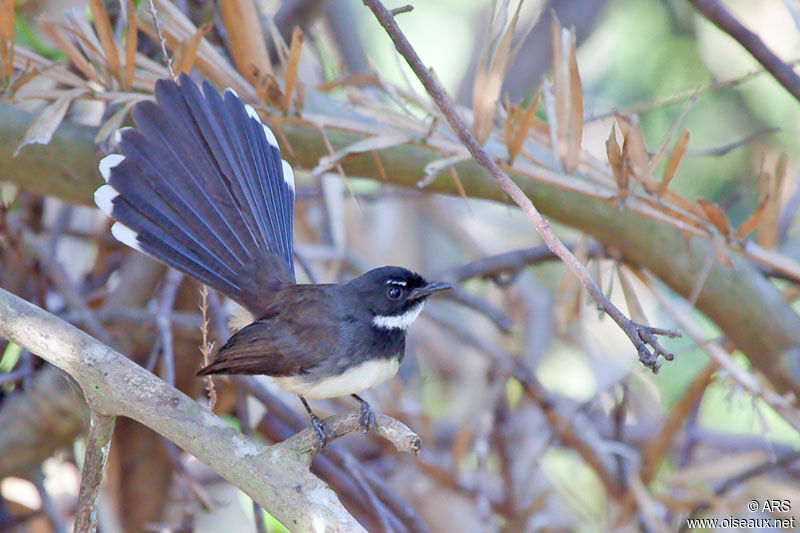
275,477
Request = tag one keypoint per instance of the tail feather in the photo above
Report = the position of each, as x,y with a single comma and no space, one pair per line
201,186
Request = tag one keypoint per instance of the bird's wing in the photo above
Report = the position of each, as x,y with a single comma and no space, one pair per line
200,185
300,331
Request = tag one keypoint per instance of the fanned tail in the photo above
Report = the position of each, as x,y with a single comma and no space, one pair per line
200,185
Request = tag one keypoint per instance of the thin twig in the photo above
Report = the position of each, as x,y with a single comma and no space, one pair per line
247,428
206,347
171,282
508,263
100,431
639,334
161,39
716,13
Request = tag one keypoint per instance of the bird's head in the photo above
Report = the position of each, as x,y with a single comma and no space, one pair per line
395,296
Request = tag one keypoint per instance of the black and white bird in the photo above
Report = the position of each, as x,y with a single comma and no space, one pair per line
200,185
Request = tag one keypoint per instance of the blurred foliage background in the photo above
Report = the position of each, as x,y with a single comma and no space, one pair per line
494,456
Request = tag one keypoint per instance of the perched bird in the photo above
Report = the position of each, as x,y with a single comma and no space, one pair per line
200,185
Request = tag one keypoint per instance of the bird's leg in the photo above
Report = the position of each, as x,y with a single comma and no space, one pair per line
366,418
322,431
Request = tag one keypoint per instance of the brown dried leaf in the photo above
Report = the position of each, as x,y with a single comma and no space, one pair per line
130,48
291,68
378,142
674,160
45,123
575,131
634,152
721,251
268,89
716,216
631,300
518,124
115,121
615,161
103,26
490,76
768,233
56,34
209,61
752,221
568,96
186,52
7,37
245,37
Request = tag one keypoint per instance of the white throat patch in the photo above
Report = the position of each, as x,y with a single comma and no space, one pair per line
399,321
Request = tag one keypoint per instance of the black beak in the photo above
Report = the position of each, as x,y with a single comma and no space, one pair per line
427,290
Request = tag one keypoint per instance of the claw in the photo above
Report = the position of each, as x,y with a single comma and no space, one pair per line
366,418
323,432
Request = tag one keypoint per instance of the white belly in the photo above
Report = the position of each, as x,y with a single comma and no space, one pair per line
352,381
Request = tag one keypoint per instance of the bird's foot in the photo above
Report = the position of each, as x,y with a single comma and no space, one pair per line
323,432
366,418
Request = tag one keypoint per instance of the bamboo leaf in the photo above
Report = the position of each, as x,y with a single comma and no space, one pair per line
615,161
753,220
45,123
245,37
295,50
186,52
674,160
103,26
130,47
7,37
56,33
716,216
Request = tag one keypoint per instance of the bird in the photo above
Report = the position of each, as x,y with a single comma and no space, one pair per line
200,185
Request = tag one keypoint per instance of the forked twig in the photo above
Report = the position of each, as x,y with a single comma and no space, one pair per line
642,336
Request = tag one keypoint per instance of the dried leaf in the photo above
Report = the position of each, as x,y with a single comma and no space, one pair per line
674,160
209,61
186,52
245,37
291,68
130,47
716,216
115,120
568,96
721,250
768,234
752,221
634,152
615,161
378,142
268,89
518,124
435,167
103,26
44,125
490,74
7,37
631,300
56,33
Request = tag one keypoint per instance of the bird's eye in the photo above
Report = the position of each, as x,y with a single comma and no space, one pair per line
394,293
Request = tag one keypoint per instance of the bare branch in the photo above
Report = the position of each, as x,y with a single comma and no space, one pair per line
307,443
641,335
716,13
100,431
115,386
